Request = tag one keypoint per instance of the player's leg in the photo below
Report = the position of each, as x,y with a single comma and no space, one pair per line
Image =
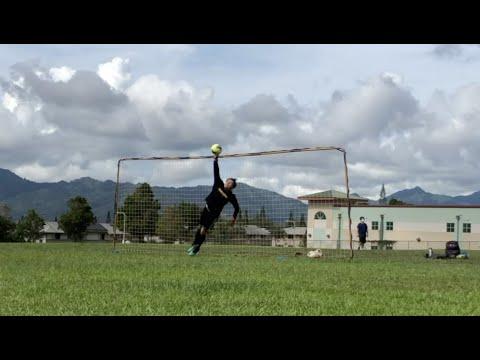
363,239
205,226
206,221
199,234
200,237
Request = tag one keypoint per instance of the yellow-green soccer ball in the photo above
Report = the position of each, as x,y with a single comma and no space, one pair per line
216,149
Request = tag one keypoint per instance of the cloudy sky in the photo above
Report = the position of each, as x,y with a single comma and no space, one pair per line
408,115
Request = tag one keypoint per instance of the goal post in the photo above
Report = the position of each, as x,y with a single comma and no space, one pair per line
291,201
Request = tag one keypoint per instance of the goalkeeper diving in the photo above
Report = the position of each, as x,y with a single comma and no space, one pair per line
220,195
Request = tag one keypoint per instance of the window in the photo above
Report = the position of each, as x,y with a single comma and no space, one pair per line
57,236
450,227
320,216
467,227
389,225
374,225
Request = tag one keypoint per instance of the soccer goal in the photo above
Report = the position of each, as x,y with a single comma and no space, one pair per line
290,202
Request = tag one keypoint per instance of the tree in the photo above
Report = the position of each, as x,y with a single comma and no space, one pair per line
302,222
178,222
290,217
29,227
396,202
108,220
77,219
142,212
7,229
261,218
242,218
168,224
224,232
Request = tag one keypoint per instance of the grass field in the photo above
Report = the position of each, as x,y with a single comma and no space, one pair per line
90,279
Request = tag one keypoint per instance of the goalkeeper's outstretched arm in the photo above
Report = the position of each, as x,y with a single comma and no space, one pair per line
216,173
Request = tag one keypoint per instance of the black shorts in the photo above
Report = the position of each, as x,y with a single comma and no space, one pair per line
363,239
207,218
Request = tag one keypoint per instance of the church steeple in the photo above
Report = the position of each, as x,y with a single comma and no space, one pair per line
383,199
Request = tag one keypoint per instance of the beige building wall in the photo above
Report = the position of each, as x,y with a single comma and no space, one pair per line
409,224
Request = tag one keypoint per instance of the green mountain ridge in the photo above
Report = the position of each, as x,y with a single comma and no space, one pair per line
418,196
50,199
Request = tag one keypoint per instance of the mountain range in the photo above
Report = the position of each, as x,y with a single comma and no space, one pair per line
418,196
50,199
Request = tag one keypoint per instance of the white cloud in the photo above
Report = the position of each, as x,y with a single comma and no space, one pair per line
9,102
268,130
115,73
80,125
35,171
294,191
20,82
271,183
151,94
178,116
63,74
48,130
40,74
395,78
371,171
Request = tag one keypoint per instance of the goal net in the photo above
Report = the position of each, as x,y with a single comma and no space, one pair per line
290,203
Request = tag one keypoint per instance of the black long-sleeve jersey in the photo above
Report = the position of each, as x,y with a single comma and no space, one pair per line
219,197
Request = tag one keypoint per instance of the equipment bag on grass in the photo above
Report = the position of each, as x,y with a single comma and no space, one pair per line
452,249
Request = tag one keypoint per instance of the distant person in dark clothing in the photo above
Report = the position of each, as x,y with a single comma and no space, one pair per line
220,195
362,229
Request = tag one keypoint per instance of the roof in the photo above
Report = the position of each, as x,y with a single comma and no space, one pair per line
96,228
255,230
109,229
331,194
51,227
298,230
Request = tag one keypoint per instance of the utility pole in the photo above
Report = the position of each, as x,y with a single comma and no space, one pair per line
339,230
381,231
458,229
124,222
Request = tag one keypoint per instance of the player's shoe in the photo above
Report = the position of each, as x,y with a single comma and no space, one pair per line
194,249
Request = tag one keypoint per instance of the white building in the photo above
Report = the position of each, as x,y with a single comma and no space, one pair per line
295,237
390,226
51,232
